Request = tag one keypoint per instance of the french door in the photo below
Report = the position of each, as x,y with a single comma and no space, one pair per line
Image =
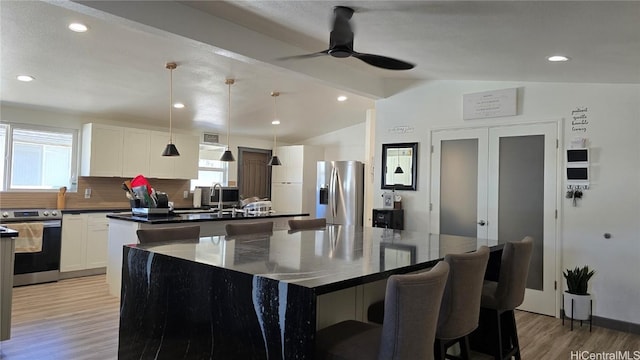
500,183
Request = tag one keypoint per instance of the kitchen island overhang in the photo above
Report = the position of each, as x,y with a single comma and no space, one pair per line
256,298
123,227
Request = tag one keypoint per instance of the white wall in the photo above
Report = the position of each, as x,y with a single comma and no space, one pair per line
344,144
611,205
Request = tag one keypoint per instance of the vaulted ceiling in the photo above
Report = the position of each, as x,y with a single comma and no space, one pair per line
116,69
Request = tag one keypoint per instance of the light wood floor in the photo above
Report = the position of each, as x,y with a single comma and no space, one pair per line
77,319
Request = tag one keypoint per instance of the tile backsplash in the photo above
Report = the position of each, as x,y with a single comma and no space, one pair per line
106,193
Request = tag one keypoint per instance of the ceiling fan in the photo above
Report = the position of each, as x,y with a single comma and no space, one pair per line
341,44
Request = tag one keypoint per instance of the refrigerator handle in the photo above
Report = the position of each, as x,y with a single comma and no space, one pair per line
332,192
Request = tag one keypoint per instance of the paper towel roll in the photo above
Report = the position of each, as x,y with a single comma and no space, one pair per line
197,198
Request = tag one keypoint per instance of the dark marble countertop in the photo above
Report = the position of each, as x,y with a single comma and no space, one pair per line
187,217
325,260
7,233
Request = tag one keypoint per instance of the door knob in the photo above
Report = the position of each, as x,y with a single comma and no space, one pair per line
481,222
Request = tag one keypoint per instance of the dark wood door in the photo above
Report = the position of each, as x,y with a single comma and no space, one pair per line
254,175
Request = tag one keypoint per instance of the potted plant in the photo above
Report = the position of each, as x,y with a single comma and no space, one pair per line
577,301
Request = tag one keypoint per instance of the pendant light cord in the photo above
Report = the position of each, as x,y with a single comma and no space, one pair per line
275,117
229,114
170,104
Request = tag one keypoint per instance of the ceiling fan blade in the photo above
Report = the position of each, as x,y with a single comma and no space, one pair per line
383,61
305,56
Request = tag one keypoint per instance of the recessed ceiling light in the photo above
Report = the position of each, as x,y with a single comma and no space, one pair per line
178,105
25,78
78,27
557,58
275,122
342,98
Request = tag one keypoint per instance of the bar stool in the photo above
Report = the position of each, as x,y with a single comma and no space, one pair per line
499,299
308,224
460,307
409,327
249,228
183,233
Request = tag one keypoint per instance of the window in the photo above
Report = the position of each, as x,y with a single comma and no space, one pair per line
38,158
210,169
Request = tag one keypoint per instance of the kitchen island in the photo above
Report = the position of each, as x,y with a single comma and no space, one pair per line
265,296
123,227
7,254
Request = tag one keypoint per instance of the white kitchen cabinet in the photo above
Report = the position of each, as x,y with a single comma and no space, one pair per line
135,152
126,152
101,150
293,184
184,166
292,158
285,198
161,167
84,242
96,241
72,255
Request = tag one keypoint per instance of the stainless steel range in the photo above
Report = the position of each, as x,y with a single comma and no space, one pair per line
41,266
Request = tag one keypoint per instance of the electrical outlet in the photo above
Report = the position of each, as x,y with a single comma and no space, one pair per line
87,193
185,194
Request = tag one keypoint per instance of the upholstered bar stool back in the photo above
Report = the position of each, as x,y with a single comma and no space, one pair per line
408,331
183,233
499,299
460,307
308,224
249,228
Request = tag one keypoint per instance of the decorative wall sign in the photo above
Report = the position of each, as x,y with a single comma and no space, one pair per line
489,104
401,130
579,119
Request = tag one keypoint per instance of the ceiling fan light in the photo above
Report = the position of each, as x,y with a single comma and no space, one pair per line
398,170
170,150
274,161
227,156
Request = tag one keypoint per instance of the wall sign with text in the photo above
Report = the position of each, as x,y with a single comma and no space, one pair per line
489,104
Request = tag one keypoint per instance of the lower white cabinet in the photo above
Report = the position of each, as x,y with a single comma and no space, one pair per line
84,241
286,198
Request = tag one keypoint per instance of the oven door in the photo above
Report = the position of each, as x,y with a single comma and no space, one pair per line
43,266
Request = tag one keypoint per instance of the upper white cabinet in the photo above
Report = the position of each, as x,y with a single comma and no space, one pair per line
127,152
161,167
184,166
293,162
101,150
135,147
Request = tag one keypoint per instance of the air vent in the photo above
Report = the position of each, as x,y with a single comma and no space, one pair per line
210,138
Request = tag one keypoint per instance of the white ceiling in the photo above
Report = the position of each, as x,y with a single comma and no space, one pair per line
116,70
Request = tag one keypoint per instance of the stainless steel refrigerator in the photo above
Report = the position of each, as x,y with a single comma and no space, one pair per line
340,192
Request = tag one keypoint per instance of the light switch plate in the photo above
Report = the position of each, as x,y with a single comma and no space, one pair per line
185,194
87,193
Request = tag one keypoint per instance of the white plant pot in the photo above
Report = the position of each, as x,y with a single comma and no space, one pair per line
581,306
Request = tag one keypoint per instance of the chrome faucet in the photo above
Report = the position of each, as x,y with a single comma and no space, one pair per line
217,185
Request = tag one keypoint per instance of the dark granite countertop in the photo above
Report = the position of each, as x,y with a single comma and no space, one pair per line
118,210
197,217
326,260
7,233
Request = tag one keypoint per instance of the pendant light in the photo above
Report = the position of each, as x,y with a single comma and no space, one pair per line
274,161
170,149
228,156
398,168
